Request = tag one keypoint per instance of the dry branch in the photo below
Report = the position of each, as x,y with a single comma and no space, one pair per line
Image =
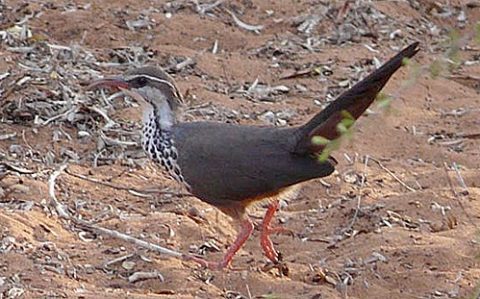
61,210
393,175
359,196
134,191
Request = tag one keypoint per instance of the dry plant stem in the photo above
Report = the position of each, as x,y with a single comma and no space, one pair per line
62,212
449,180
393,175
248,291
460,179
60,208
114,186
145,275
117,260
468,77
458,197
359,196
110,123
130,239
61,115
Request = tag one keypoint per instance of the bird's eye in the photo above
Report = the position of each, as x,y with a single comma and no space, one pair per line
140,82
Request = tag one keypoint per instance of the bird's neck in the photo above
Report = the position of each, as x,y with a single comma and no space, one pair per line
158,143
161,117
156,137
157,126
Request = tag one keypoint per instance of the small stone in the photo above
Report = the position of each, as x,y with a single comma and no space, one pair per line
83,134
89,269
344,83
268,117
281,122
128,265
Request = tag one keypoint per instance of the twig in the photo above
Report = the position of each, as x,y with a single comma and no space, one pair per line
456,195
130,239
115,142
60,208
204,8
460,180
241,24
469,136
64,214
393,175
26,142
181,65
248,291
110,123
449,180
133,191
226,76
117,260
359,196
145,275
61,115
465,77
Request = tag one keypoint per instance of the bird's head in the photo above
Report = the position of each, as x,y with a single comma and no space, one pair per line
152,84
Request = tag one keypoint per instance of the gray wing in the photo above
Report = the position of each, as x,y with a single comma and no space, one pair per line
224,163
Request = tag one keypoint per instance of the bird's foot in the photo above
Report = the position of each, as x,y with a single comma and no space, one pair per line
282,268
267,247
214,266
266,231
246,230
267,244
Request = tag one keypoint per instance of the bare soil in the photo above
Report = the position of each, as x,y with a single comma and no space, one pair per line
409,229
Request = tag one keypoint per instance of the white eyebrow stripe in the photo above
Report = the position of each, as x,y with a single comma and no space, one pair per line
151,78
171,85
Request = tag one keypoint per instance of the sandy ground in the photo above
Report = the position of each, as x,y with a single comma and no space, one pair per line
409,229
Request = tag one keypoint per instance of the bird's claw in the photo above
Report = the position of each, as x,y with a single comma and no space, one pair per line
282,267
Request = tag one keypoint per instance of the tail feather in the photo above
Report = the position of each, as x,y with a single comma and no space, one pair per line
355,101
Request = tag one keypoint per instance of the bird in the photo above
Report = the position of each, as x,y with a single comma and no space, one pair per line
233,167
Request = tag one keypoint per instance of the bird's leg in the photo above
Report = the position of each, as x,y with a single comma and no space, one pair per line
246,229
265,241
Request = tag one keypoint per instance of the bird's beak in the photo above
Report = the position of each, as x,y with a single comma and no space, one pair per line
117,83
112,82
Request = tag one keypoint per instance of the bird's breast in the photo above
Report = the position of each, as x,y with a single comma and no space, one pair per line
160,148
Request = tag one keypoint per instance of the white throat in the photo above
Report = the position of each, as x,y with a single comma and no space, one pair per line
163,114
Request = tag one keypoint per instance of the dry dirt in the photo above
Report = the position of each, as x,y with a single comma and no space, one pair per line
414,235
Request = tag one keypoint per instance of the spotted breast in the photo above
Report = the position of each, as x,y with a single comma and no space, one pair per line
159,146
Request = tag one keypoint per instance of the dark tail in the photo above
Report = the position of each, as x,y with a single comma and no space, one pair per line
355,101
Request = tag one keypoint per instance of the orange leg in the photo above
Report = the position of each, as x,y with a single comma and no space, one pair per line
265,241
246,230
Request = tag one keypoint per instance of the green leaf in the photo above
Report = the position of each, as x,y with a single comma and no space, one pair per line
345,114
381,96
348,122
384,104
324,156
454,37
329,148
320,140
435,68
341,128
405,61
